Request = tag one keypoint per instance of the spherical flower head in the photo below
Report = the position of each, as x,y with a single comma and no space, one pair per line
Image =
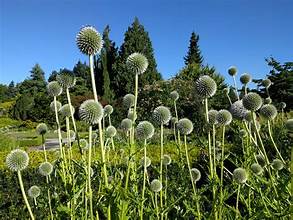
46,168
268,112
242,133
54,88
206,86
237,110
224,117
260,160
131,115
185,126
232,71
166,160
126,124
156,186
268,100
110,131
249,116
147,160
128,100
266,83
145,130
137,63
277,164
174,95
174,120
226,91
196,174
17,160
41,129
89,41
108,110
252,101
65,110
162,115
239,175
66,80
212,116
34,192
283,105
91,111
245,78
83,144
256,168
58,105
289,125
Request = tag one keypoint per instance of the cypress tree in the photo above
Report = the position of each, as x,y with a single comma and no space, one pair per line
194,54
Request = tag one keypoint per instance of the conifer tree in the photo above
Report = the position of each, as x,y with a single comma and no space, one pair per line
194,54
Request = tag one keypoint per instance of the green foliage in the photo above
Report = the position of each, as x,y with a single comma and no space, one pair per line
194,54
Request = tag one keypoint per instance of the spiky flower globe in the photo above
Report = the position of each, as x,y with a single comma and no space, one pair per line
166,160
147,160
41,129
289,125
54,88
268,112
256,168
283,105
83,144
17,160
145,130
45,168
126,124
206,86
226,90
156,186
266,83
239,175
65,110
128,100
242,133
268,100
58,105
277,164
252,101
174,120
174,95
110,131
260,160
232,70
89,40
224,117
108,110
162,115
137,63
66,80
237,110
196,174
245,78
185,126
212,116
34,192
131,115
91,111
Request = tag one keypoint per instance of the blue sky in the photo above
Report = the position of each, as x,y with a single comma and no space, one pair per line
232,32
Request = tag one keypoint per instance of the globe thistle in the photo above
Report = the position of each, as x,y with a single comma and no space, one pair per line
65,110
212,116
245,78
89,41
206,86
137,63
232,70
83,144
34,192
260,160
131,115
283,105
268,100
266,83
147,160
110,131
277,164
185,126
17,160
45,168
58,105
41,129
256,168
162,115
128,100
66,80
224,117
237,110
252,101
289,124
156,186
196,174
249,116
226,91
54,88
242,133
174,120
91,111
166,160
145,130
126,124
174,95
239,175
108,110
268,111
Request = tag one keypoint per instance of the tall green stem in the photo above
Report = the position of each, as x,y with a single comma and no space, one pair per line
91,60
144,180
222,171
44,147
90,192
209,139
235,87
275,146
237,201
103,153
176,114
135,106
49,198
161,163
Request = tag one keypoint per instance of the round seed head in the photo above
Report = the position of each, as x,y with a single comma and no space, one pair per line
252,101
185,126
256,168
277,164
128,100
58,105
162,115
242,133
226,90
196,174
268,100
108,110
237,110
266,83
17,160
137,63
46,168
145,130
34,192
245,78
174,120
239,175
83,144
174,95
66,80
89,41
268,111
206,86
260,160
110,131
65,110
289,124
283,105
131,115
126,124
147,160
212,116
91,111
54,88
224,117
166,160
156,185
41,129
232,71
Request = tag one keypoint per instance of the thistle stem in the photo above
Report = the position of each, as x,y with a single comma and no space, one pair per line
144,180
49,198
209,140
222,171
135,106
275,146
161,163
44,148
89,173
235,87
237,201
103,153
91,61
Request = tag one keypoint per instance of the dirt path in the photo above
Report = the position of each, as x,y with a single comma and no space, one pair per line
50,144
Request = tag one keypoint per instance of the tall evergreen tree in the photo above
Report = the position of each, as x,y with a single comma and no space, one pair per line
194,54
37,73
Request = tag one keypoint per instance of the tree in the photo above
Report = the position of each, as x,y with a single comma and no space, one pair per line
53,75
194,54
37,73
107,92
